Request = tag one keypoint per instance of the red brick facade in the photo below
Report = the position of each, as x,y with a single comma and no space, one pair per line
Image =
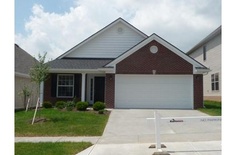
144,62
198,90
110,90
164,62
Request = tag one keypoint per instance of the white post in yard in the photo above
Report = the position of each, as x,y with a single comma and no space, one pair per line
158,120
83,87
158,132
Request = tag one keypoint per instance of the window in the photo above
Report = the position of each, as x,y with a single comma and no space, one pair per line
204,52
65,85
215,82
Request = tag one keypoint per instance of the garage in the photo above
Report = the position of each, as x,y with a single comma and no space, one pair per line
154,91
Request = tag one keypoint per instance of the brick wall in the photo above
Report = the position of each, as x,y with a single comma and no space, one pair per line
164,62
198,91
110,90
47,89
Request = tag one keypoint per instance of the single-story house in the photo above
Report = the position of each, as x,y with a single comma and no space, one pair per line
125,68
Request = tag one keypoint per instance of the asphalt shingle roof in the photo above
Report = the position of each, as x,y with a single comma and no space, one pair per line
23,60
79,63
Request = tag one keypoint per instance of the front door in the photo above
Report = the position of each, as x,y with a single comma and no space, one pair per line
99,89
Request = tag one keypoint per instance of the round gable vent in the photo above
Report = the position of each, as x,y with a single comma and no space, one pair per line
120,30
153,49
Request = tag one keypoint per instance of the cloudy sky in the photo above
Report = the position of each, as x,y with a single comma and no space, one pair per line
54,26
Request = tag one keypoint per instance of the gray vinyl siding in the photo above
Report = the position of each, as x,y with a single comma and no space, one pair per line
109,44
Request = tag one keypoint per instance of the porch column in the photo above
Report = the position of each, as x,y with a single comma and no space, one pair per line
41,90
83,87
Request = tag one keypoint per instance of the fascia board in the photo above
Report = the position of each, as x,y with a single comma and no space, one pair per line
75,71
107,70
201,71
22,75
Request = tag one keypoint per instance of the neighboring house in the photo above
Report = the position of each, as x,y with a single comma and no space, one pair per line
125,68
208,52
23,63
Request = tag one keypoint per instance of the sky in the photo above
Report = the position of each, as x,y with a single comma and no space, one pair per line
55,26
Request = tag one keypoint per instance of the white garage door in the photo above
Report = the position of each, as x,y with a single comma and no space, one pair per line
154,91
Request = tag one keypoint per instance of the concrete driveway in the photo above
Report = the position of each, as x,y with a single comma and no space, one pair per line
131,126
129,132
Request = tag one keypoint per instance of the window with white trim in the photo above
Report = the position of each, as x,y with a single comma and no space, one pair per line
65,85
215,82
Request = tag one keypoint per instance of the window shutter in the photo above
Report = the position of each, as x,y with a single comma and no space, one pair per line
53,85
77,86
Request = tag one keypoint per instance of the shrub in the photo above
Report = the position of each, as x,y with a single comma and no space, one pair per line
47,104
99,106
60,104
82,106
70,105
101,112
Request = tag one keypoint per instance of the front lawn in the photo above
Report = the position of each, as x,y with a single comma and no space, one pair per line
212,108
60,123
48,148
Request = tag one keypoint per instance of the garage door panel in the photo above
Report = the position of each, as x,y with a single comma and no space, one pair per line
154,91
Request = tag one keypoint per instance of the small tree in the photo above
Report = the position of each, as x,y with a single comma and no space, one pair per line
25,92
38,74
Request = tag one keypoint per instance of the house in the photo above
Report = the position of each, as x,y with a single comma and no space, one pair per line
23,63
125,68
208,53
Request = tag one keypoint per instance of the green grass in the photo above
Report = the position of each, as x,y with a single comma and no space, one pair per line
48,148
212,108
60,123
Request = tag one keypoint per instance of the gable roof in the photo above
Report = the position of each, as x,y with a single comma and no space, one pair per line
23,61
160,40
205,40
100,32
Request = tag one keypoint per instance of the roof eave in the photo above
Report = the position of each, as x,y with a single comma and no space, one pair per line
201,70
205,40
107,69
75,71
22,75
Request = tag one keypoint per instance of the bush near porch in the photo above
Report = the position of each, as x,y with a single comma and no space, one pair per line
60,123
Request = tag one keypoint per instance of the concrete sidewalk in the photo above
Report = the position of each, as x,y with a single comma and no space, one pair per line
93,140
172,148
